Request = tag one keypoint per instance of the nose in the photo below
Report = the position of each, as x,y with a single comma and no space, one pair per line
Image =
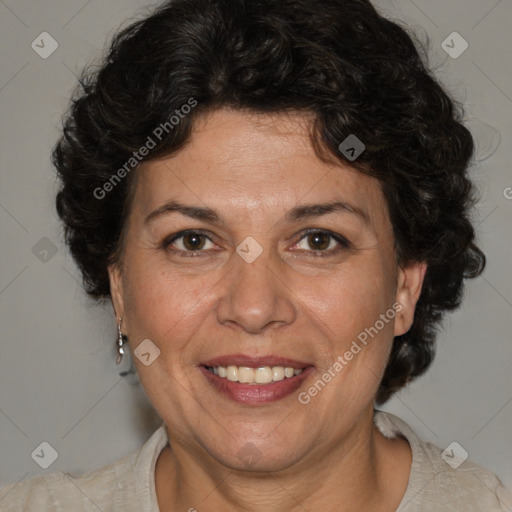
256,296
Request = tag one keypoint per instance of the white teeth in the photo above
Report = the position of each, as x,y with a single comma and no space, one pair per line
288,372
232,373
245,375
278,373
261,375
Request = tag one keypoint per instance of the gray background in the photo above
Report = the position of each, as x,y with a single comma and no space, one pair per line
58,380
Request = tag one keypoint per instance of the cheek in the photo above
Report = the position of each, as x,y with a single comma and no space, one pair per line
166,306
349,308
352,300
166,309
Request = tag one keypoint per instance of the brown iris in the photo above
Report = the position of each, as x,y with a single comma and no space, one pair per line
196,241
315,237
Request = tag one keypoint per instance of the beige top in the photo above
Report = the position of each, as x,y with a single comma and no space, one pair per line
128,485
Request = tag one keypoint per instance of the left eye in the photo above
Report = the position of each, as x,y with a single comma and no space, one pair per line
322,241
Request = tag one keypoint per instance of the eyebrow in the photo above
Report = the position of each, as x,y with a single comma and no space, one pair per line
298,213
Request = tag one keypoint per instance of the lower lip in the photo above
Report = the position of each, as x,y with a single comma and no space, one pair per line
255,394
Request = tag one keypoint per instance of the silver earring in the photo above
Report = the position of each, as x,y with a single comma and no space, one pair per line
121,340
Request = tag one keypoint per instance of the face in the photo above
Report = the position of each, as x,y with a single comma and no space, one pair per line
228,268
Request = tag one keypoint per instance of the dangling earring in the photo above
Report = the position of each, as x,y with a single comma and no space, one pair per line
121,340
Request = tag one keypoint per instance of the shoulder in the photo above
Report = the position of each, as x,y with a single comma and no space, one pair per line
59,491
114,486
444,479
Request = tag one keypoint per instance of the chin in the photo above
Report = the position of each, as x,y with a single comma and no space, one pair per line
250,458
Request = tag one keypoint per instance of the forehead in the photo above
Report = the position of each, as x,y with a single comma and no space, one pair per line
261,163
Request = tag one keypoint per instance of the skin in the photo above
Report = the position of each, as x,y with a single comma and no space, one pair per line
291,302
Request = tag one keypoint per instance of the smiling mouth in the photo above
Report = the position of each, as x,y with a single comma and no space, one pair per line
255,379
260,375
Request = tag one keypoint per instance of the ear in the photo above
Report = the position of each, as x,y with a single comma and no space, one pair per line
410,282
116,290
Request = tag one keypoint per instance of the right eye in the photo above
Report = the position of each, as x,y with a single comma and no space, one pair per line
188,242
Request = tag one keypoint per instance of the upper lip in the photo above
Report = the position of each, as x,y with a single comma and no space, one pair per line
255,362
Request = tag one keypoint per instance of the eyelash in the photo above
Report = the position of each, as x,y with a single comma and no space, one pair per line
343,242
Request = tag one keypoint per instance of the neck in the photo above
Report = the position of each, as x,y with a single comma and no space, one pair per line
365,471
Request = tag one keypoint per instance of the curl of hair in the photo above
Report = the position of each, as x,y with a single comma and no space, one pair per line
354,70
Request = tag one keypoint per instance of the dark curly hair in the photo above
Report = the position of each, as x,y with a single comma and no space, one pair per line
354,70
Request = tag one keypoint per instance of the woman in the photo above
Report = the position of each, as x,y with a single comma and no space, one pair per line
274,195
